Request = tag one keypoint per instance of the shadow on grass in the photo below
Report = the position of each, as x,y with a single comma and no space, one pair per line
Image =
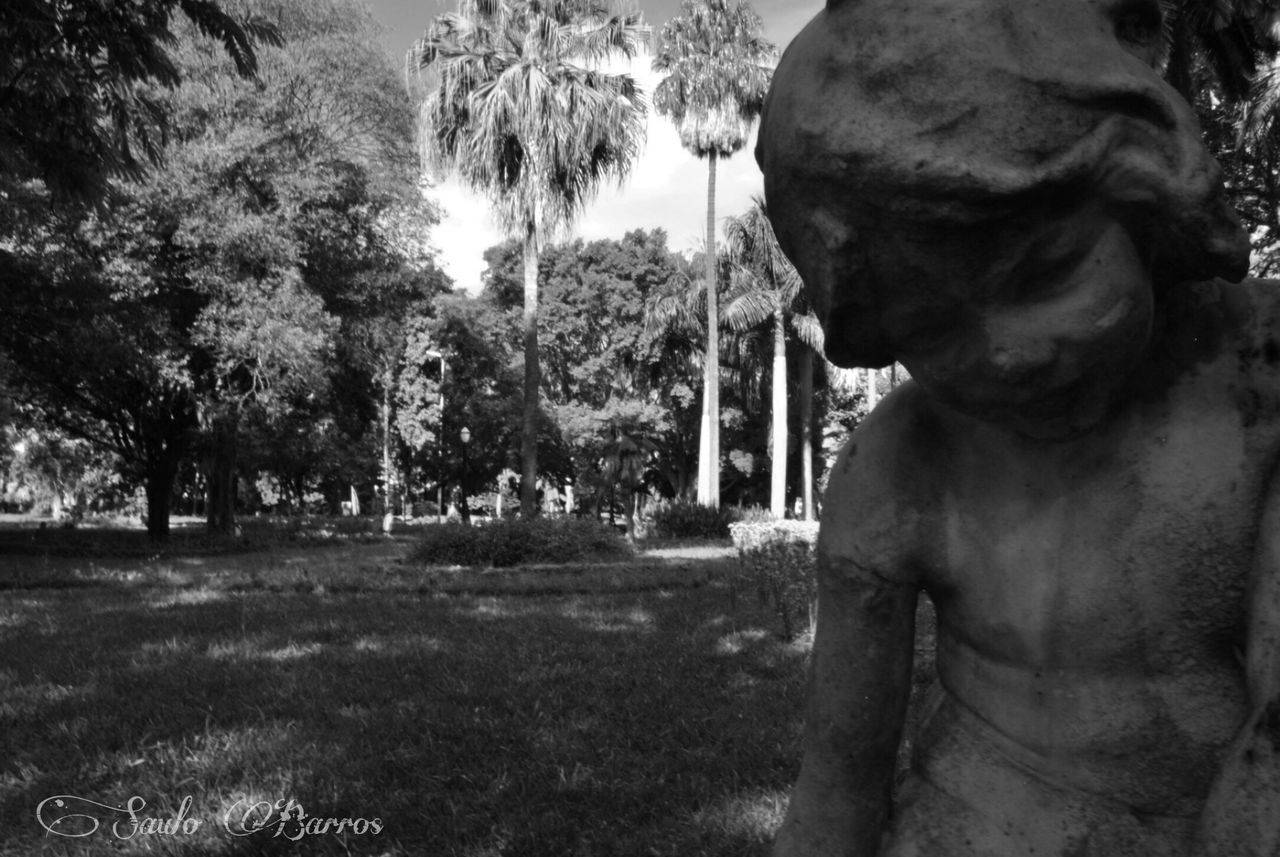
610,724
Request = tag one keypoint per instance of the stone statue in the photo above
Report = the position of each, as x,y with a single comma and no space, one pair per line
1006,197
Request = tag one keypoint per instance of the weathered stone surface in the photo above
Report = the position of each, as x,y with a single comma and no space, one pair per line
983,189
1004,196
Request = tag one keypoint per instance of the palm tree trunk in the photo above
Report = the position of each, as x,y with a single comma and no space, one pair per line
806,432
387,516
709,439
778,492
532,379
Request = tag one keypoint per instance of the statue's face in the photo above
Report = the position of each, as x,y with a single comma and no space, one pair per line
992,192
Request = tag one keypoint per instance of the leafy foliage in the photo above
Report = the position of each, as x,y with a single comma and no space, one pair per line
228,279
74,110
1224,39
778,559
520,541
684,520
606,378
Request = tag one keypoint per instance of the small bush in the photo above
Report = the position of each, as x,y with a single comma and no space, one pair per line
779,559
755,515
693,521
520,541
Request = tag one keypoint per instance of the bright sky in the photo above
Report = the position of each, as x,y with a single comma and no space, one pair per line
668,186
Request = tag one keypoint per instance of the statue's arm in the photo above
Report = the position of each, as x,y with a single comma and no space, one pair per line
859,682
1241,816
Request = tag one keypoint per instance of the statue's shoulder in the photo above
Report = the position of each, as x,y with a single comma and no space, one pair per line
1219,331
1252,310
1250,320
1223,345
882,492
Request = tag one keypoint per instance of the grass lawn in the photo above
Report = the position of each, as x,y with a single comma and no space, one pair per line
650,723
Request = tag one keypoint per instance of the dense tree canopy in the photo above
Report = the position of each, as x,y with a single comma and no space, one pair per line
218,288
74,106
228,278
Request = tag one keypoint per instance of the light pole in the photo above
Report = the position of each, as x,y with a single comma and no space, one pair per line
439,355
466,441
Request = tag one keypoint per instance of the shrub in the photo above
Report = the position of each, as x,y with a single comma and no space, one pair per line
519,541
755,515
693,521
779,559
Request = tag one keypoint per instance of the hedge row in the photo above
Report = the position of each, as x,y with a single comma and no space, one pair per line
509,542
778,558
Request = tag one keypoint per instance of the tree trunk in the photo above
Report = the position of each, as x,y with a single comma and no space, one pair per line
709,438
778,487
806,432
386,443
159,486
873,392
629,509
388,514
532,379
221,506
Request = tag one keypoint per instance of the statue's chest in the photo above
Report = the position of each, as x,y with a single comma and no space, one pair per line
1135,544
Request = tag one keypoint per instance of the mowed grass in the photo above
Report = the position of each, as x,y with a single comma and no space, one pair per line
654,723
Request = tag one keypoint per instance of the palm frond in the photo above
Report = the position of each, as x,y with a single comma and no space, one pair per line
748,309
809,331
518,109
237,36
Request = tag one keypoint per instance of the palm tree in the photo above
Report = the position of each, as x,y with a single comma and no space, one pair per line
675,331
1225,38
518,107
767,288
717,77
625,460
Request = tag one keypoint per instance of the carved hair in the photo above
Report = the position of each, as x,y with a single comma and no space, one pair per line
921,167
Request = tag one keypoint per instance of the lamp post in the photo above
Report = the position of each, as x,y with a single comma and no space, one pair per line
466,441
439,355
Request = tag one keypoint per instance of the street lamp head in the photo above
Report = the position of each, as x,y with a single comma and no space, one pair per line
466,435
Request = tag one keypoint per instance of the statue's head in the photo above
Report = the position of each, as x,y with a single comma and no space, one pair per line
994,193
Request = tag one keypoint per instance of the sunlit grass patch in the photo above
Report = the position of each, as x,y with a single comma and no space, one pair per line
179,597
257,648
750,816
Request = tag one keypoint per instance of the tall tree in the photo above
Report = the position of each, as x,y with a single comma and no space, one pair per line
675,328
518,107
716,62
768,289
